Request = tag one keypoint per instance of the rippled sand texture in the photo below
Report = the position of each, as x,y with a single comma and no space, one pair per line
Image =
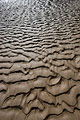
40,60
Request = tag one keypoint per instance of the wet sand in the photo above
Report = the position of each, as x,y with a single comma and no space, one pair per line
39,59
